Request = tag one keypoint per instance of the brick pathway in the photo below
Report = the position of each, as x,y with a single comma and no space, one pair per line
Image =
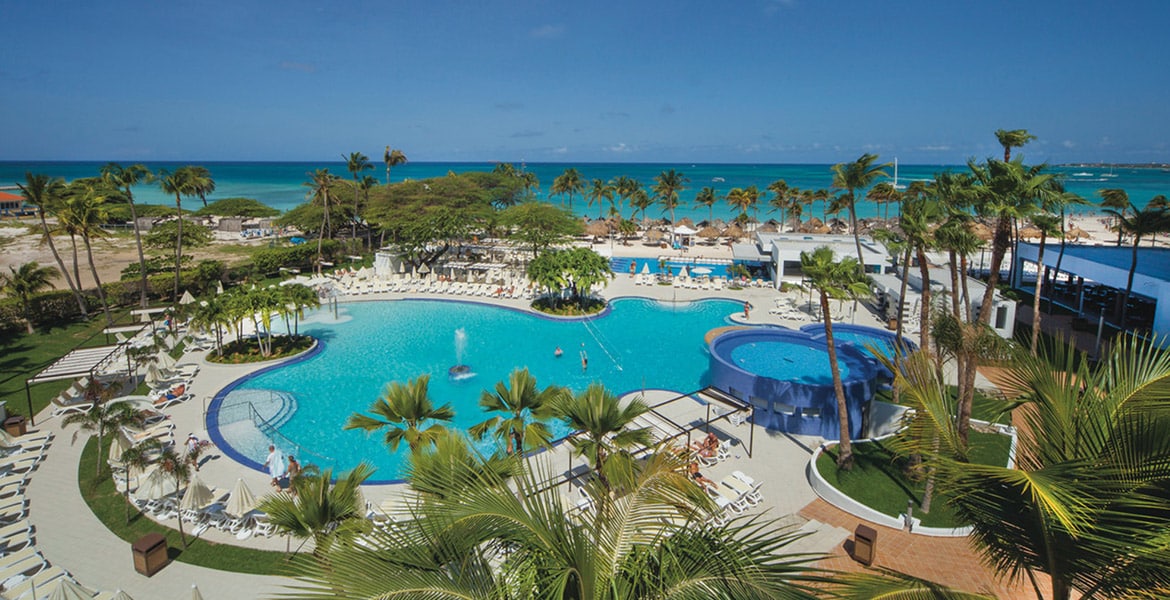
948,561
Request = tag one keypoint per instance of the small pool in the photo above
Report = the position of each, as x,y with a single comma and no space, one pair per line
787,361
864,339
637,344
714,268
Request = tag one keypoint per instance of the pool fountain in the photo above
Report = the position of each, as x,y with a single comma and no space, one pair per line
460,371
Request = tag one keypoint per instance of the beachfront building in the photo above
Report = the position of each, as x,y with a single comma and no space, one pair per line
887,289
779,253
1091,284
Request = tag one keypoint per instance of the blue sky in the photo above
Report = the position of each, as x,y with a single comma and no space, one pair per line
756,81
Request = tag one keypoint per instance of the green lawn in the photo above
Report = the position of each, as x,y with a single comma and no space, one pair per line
877,480
111,508
983,407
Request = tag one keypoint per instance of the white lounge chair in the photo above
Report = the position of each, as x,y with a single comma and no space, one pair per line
26,563
14,536
41,580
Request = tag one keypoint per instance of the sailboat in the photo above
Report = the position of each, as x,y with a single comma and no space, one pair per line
896,186
1110,173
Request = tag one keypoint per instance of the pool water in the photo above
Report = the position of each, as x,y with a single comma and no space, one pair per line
639,344
787,361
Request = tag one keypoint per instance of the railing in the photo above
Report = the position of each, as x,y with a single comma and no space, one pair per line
270,427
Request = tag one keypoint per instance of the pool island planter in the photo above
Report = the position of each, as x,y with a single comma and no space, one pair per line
792,405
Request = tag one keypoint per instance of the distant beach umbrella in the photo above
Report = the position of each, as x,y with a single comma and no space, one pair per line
769,227
1077,233
197,496
118,446
1030,232
654,235
982,232
120,595
646,268
158,485
708,232
423,270
598,229
733,232
686,221
68,589
186,298
684,273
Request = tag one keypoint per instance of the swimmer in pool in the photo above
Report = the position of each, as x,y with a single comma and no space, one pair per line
558,352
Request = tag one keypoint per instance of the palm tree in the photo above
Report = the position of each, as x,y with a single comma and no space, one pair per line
920,214
44,192
201,182
1014,138
649,543
180,183
356,163
1085,501
570,183
25,282
839,280
707,197
598,192
854,176
1048,224
624,187
298,297
883,193
125,178
639,202
519,399
392,158
318,184
214,313
1137,223
84,214
365,184
1062,201
102,417
1160,202
667,186
403,410
781,200
1118,201
179,469
320,509
602,429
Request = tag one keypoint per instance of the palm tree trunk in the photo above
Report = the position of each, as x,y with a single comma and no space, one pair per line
321,234
857,238
96,279
178,246
74,285
845,451
954,267
902,295
1137,239
924,309
141,257
76,261
1041,271
963,284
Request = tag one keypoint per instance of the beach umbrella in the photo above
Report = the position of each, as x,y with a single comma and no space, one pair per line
733,231
164,360
423,270
195,595
654,235
701,271
646,268
982,232
242,501
218,288
67,589
197,496
1077,233
686,222
769,227
120,595
1030,232
684,273
708,232
684,230
118,446
598,229
186,298
158,485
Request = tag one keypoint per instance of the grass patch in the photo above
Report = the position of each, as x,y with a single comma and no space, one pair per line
246,351
110,507
583,307
983,407
877,479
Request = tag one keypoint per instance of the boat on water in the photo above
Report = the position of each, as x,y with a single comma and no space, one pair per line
1082,174
717,180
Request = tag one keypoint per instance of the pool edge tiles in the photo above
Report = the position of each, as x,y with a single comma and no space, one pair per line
787,405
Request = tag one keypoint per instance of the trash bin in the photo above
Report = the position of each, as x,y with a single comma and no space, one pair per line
150,553
16,425
864,545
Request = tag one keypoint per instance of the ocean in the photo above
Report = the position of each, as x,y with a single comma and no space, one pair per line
281,184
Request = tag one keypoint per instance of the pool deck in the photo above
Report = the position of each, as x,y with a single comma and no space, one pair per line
103,561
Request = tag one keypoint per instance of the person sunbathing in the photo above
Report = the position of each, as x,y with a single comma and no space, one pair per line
708,446
698,477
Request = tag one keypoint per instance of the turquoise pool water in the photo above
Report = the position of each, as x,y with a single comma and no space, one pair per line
639,343
787,361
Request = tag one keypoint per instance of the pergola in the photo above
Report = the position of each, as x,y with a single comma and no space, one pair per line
79,362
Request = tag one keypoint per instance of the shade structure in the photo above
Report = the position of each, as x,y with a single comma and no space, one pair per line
1030,232
683,272
157,485
197,496
424,269
646,268
1077,233
242,501
733,232
119,445
982,231
708,232
598,229
67,589
186,298
684,230
164,360
654,235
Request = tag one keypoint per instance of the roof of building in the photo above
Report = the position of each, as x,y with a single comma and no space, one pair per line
790,245
1152,262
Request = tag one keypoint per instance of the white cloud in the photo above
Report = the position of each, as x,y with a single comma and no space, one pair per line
561,150
1068,144
620,148
935,148
547,31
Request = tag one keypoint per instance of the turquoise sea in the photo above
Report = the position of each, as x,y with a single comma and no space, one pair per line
281,184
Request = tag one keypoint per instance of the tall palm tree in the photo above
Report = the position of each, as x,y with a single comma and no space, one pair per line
25,282
1063,201
854,176
649,543
1049,225
602,426
318,184
125,178
1116,200
920,214
1085,501
404,410
737,198
365,184
519,399
1160,202
356,163
321,509
569,182
883,193
297,298
101,418
599,191
667,186
624,187
180,182
84,213
178,468
839,280
392,158
1012,138
45,192
639,202
1137,223
781,200
707,197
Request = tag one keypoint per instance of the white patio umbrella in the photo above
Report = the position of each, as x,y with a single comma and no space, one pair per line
67,589
242,501
195,595
424,269
164,360
120,595
197,496
218,288
684,273
186,298
646,268
158,485
118,446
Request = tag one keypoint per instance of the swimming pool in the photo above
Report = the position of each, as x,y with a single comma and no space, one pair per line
637,344
715,268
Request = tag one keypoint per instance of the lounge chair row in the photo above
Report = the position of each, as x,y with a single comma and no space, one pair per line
435,286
